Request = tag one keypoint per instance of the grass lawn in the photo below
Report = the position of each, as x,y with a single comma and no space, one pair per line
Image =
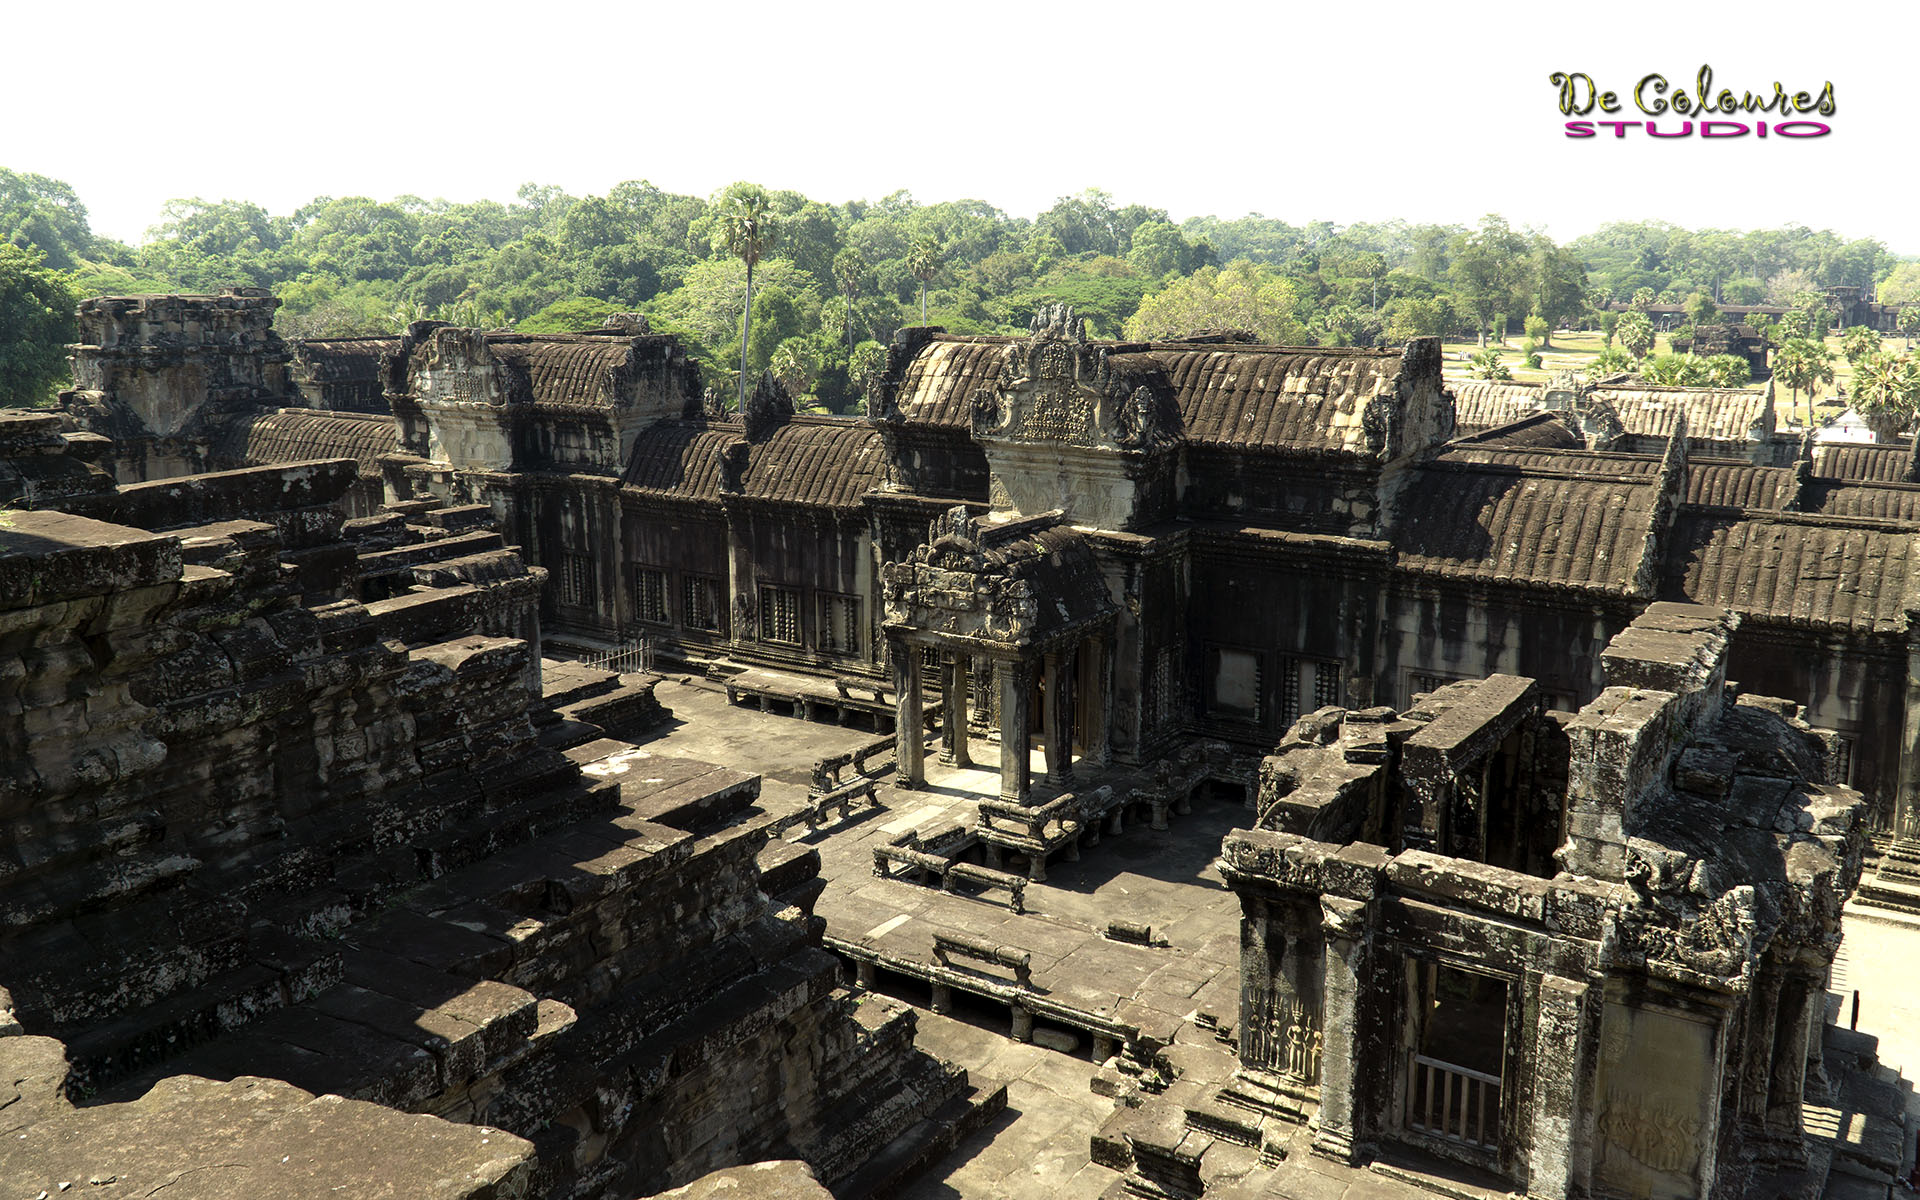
1572,350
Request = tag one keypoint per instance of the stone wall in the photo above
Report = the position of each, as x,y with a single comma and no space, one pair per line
1656,990
159,375
279,803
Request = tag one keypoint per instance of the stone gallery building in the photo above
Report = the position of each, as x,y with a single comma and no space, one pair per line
1273,528
1276,527
1516,802
1587,953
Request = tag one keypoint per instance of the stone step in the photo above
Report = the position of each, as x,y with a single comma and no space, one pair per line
626,710
924,1143
1871,1138
785,866
139,1040
68,977
564,733
1226,1122
393,1031
563,683
504,828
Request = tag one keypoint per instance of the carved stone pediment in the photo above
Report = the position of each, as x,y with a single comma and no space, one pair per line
1055,387
1008,587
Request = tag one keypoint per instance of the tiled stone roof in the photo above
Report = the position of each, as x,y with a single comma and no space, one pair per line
1796,571
939,383
1722,414
1862,463
1737,485
1276,397
562,370
301,434
1556,460
1893,502
821,461
343,360
1486,523
1307,399
1488,404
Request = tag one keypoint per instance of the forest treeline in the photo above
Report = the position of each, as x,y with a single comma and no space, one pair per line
832,281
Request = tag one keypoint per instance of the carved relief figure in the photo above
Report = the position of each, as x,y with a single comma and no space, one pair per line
1659,1134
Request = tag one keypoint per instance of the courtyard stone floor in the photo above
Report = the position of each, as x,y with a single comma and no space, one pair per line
1167,879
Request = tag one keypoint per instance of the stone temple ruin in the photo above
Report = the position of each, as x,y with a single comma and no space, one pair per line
1376,775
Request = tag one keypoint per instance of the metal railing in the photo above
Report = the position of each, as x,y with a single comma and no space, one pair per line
635,655
1453,1102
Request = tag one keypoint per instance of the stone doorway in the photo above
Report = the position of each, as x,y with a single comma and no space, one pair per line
1456,1063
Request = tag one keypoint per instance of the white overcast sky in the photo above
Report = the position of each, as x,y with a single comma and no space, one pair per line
1342,111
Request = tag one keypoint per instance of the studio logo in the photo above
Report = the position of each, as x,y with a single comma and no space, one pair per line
1701,112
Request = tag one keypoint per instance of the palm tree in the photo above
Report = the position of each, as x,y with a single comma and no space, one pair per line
923,262
1803,363
849,267
1635,333
1908,323
745,229
1886,391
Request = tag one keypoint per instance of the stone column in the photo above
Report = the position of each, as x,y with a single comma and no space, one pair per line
1022,1022
953,722
1559,1153
1344,1006
1016,685
1059,719
909,723
1756,1061
1100,711
1898,879
1789,1075
742,616
982,717
1906,802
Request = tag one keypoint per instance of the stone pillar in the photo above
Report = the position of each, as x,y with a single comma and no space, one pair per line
1789,1075
1016,686
981,719
1756,1062
1561,1142
1058,719
742,604
1897,882
863,973
1342,1115
1906,802
942,998
953,722
1100,711
909,723
1022,1022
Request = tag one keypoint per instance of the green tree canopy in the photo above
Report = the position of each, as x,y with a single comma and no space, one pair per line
1886,391
1241,295
36,323
47,215
1490,272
